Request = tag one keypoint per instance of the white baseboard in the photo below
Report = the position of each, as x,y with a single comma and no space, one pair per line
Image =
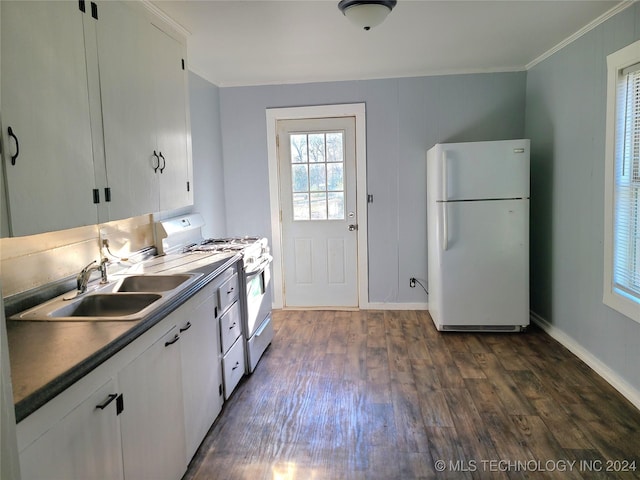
395,306
617,382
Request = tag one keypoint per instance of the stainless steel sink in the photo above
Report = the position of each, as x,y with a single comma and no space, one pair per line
107,305
152,283
131,298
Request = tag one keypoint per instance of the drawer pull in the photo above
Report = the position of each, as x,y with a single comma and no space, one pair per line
110,398
186,327
232,326
236,366
230,291
171,342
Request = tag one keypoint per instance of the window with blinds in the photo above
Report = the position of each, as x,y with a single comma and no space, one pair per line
622,187
626,255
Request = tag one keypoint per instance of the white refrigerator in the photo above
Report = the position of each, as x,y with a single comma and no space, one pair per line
478,235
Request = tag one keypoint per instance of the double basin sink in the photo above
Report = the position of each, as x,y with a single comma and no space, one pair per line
130,298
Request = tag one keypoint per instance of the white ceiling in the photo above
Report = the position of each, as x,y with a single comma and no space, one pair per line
238,42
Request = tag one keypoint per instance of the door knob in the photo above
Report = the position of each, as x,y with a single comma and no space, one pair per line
352,227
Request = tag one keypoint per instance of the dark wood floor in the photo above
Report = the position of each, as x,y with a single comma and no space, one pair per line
383,395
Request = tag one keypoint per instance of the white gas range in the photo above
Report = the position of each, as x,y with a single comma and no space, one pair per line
183,247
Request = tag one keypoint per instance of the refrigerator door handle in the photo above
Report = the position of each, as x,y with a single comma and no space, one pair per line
445,227
445,196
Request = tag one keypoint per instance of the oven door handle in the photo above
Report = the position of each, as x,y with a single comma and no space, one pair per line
264,325
261,267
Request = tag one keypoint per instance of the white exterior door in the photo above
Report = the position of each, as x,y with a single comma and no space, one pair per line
317,160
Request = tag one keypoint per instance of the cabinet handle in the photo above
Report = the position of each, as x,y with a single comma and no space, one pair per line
237,365
110,398
171,342
232,326
15,139
186,327
164,163
155,169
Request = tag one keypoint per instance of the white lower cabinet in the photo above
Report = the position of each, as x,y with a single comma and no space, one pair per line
201,372
84,444
233,366
143,413
151,423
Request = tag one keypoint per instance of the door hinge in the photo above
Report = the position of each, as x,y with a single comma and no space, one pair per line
119,404
188,187
94,10
107,194
280,216
278,141
220,389
183,63
81,6
96,195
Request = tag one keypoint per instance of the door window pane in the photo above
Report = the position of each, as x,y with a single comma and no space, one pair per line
318,206
316,147
318,182
334,147
301,206
299,148
299,178
317,175
335,205
335,177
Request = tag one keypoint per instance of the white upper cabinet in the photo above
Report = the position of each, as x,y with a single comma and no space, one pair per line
127,110
144,109
170,81
46,117
97,104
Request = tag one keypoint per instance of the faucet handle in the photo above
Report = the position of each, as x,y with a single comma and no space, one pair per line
84,270
103,270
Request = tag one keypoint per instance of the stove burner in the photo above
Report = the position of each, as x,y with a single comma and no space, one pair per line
230,240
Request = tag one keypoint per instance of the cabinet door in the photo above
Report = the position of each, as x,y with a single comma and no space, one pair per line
45,102
171,121
201,369
84,445
124,46
152,422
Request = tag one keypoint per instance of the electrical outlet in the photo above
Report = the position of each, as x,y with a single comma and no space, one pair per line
412,282
105,242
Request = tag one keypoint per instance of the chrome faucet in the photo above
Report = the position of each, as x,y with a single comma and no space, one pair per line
85,274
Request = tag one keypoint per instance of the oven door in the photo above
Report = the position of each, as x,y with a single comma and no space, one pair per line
258,295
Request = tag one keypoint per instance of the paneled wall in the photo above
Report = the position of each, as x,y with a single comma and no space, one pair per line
206,148
565,119
405,117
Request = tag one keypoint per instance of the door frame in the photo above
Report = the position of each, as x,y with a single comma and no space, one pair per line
274,115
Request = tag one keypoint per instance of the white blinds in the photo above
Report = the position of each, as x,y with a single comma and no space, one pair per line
626,274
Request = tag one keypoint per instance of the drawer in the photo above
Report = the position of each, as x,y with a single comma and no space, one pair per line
228,292
233,366
230,327
259,343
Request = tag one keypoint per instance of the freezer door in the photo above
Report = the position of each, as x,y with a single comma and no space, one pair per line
481,271
478,170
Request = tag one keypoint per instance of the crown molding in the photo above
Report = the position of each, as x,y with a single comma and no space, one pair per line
165,18
587,28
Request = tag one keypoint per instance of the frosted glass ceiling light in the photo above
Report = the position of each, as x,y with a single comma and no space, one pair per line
366,13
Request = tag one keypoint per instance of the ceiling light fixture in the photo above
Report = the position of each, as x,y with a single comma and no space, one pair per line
366,13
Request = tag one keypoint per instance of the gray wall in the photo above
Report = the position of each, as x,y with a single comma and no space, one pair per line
405,117
565,118
206,145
